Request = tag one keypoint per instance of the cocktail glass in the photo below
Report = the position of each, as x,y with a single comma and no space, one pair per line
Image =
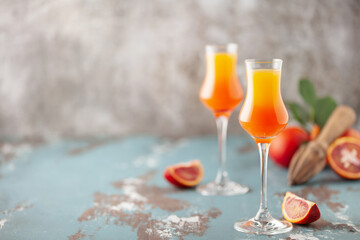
263,116
221,93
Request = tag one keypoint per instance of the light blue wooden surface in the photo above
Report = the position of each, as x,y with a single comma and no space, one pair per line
48,191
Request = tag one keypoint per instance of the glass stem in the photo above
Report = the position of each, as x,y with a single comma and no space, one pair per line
263,214
222,123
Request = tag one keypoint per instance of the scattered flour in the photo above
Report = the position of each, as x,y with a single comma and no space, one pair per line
20,208
131,192
2,222
172,225
11,167
129,206
173,218
182,221
152,162
166,233
342,213
129,181
298,236
324,236
152,159
194,219
10,149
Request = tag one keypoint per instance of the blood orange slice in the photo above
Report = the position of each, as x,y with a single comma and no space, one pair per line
344,157
298,210
187,174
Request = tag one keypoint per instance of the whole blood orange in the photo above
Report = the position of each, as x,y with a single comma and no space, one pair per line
351,132
298,210
344,157
187,174
286,143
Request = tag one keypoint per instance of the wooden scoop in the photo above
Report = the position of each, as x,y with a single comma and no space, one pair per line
309,159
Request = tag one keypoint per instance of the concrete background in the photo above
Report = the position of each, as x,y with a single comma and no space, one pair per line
81,68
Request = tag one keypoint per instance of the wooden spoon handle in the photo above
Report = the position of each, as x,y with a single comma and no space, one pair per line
339,121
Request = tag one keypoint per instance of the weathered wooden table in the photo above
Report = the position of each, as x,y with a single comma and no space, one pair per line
114,189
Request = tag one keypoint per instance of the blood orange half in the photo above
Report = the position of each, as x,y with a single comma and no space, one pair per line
344,157
187,174
298,210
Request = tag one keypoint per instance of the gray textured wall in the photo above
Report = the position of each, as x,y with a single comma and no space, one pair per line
118,67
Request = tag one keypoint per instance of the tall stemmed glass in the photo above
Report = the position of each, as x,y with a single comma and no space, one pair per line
221,92
263,116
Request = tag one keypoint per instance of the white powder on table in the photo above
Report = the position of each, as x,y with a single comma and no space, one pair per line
2,222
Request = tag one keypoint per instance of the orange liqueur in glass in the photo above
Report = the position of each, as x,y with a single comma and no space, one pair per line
221,91
263,114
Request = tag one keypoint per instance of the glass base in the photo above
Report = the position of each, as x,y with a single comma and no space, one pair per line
270,227
229,188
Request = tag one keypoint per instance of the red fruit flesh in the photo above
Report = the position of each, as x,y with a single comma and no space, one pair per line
298,210
344,157
187,174
171,179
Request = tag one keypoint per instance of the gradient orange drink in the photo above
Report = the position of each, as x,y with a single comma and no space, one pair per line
263,114
221,91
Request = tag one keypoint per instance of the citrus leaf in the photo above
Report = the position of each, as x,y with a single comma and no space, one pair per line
307,92
323,109
298,112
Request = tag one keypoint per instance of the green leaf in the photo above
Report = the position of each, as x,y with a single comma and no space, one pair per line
323,109
307,92
298,112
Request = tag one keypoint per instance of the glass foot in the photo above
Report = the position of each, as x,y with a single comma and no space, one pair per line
229,188
270,227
